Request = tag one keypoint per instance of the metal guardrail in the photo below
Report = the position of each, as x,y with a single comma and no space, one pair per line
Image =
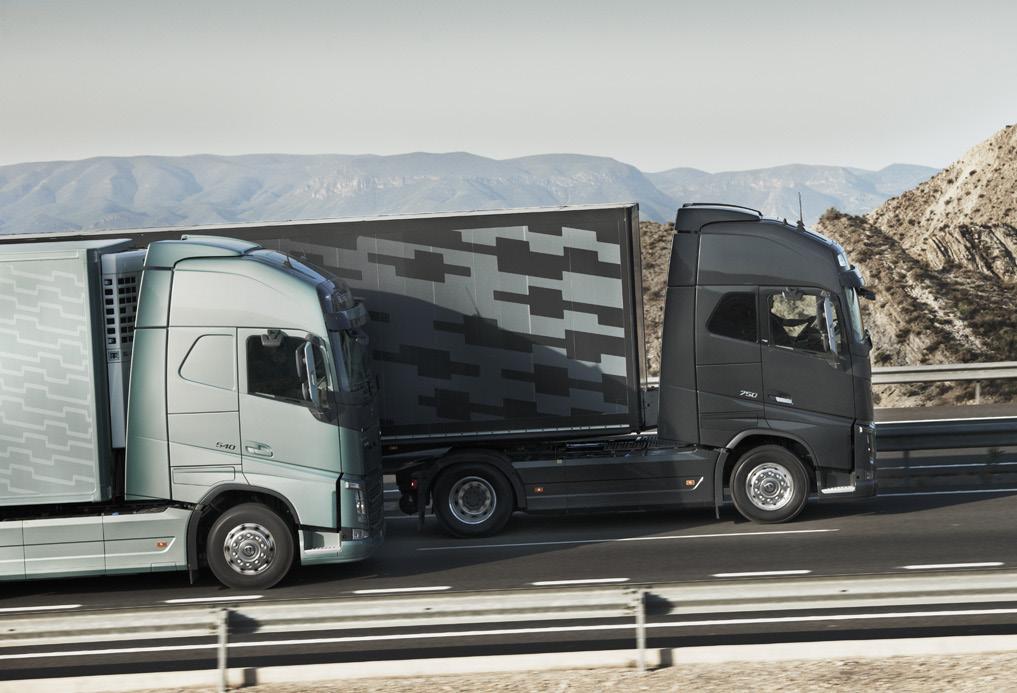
934,373
218,624
109,626
946,435
943,372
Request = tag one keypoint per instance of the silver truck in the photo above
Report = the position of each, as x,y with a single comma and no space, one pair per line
204,402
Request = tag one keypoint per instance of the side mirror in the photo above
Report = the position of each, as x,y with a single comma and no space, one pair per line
307,370
832,329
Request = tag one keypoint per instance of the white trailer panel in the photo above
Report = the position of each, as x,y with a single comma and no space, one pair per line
54,412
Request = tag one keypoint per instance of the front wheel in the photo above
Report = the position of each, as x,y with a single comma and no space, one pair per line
769,484
473,500
249,547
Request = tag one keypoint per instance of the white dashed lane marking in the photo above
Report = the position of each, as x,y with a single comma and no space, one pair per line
396,590
588,581
941,566
762,573
203,600
52,607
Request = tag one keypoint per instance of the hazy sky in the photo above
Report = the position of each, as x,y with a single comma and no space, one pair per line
713,84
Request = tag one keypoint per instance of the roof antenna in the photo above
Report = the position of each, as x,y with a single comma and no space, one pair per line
801,217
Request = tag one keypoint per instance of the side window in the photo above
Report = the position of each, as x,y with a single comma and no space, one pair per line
272,368
735,317
799,320
210,362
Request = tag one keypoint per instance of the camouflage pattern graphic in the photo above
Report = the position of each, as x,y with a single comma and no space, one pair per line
485,324
480,328
48,437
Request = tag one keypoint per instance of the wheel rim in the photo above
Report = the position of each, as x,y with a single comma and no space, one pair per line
472,500
770,486
249,549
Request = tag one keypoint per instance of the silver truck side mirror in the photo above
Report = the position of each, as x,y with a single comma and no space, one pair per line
310,376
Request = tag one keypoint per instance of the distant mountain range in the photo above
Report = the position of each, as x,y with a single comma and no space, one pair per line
145,191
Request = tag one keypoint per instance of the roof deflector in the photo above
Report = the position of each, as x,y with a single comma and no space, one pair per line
693,216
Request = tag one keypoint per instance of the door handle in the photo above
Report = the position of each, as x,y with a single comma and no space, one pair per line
255,448
781,398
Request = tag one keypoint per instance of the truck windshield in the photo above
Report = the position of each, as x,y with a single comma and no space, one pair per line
353,360
855,316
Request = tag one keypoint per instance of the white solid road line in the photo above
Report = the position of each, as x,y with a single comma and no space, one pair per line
517,631
947,493
461,547
938,566
762,573
588,581
973,418
394,590
202,600
54,607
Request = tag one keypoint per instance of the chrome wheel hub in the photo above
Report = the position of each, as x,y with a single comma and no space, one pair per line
249,549
770,486
472,500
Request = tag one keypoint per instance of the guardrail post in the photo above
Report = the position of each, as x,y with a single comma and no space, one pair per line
222,628
640,606
978,392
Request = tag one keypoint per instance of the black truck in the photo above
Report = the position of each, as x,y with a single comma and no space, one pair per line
511,356
511,349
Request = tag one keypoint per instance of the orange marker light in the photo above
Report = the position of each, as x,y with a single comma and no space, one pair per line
161,544
538,489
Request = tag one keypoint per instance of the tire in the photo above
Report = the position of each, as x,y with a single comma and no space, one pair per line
260,543
473,499
769,484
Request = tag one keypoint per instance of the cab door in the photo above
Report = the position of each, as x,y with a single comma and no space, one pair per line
287,441
809,390
728,371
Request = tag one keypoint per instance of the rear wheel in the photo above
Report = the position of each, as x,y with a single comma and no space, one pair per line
473,500
249,547
769,484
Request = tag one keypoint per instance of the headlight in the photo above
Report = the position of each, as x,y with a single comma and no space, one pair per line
359,499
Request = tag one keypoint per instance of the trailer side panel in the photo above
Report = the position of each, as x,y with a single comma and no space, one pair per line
54,418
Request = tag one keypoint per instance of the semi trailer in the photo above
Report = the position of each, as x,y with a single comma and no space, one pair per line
510,350
202,401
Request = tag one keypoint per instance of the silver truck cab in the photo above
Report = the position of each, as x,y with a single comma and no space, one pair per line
251,388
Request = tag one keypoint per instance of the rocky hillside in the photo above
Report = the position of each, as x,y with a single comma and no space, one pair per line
943,260
655,246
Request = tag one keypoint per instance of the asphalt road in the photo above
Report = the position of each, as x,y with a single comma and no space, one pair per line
915,532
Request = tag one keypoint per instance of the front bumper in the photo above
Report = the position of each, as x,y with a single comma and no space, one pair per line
318,547
861,481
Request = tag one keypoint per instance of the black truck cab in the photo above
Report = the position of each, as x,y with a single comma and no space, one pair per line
778,357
